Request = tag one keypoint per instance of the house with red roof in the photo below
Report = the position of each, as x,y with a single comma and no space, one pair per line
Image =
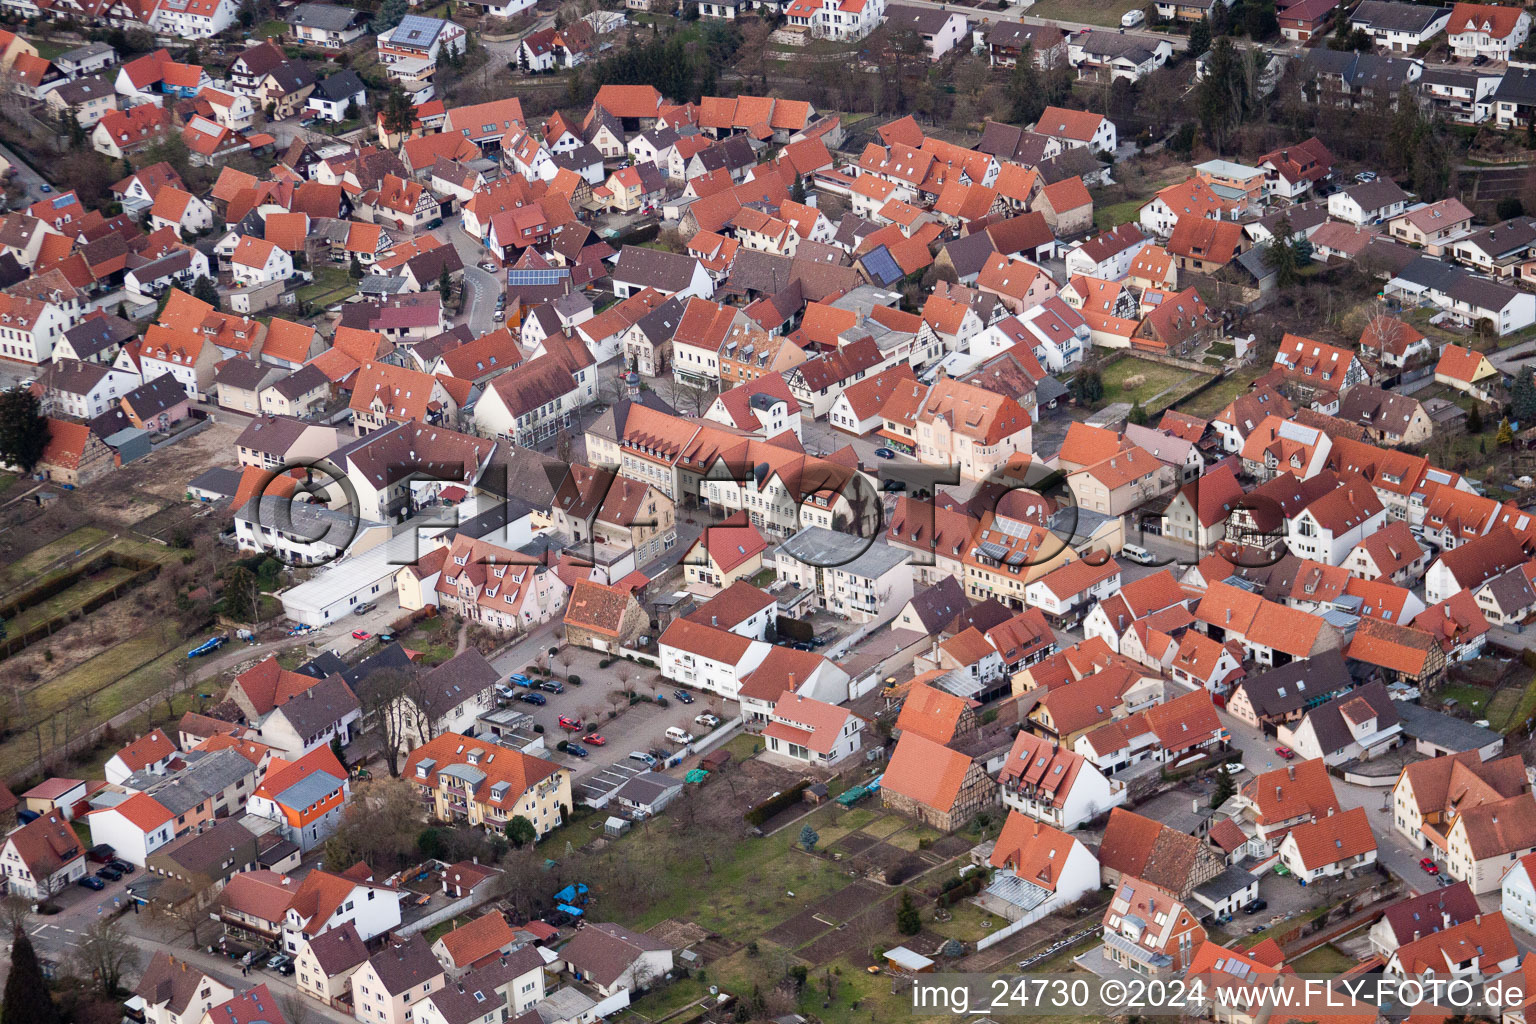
1149,932
935,784
135,828
1040,869
151,753
811,731
1467,370
324,901
74,454
305,797
1052,784
42,857
1485,30
726,552
1339,843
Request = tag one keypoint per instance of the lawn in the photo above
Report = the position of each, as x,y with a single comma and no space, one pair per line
331,285
30,570
1325,959
1511,706
108,684
1473,698
1106,217
271,30
6,480
435,638
1159,378
1092,12
49,50
1216,398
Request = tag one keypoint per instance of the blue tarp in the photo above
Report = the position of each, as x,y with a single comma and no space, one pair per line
573,911
574,893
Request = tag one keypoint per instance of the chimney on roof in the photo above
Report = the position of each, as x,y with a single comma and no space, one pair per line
1445,919
1478,919
1290,771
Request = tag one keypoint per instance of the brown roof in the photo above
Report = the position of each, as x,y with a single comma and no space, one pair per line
604,951
597,607
169,982
1136,845
338,949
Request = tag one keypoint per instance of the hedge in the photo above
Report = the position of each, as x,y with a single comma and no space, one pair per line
774,804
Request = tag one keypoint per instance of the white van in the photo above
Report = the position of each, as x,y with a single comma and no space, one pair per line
1130,19
677,735
1137,554
642,757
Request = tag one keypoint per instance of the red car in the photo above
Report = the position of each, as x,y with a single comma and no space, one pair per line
1429,866
570,723
361,634
1285,752
593,738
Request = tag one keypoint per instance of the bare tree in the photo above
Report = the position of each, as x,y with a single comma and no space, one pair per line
105,953
15,912
618,698
385,696
380,826
297,1009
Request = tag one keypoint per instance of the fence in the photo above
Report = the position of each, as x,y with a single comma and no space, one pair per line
458,906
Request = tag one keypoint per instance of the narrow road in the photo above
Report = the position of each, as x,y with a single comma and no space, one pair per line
33,181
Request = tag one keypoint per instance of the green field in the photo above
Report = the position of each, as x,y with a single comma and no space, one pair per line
1325,959
1092,12
1511,706
1469,697
1159,379
1106,217
331,285
38,567
1210,402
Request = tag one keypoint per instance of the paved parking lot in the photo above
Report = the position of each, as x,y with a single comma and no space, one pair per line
641,726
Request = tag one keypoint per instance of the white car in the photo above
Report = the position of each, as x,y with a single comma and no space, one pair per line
1130,19
1232,767
707,721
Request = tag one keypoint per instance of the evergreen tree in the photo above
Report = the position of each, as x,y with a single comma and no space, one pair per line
1221,19
390,14
444,285
809,838
1137,415
1199,38
520,831
207,291
1523,396
399,115
27,1000
1223,94
1024,90
908,921
1225,787
1506,435
336,749
240,594
1281,254
23,429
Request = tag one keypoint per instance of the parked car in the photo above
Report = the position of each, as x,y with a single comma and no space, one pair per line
487,265
505,691
1232,767
551,685
122,865
47,187
885,453
594,738
679,735
1365,177
518,679
363,609
708,721
1480,60
574,724
1137,554
361,634
1285,752
282,963
92,882
1255,906
533,698
1132,18
683,696
109,872
576,750
1429,866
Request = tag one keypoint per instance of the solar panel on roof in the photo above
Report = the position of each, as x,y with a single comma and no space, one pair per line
536,277
991,550
882,266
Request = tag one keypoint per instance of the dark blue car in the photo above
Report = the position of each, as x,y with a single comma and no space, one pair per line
576,750
532,698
